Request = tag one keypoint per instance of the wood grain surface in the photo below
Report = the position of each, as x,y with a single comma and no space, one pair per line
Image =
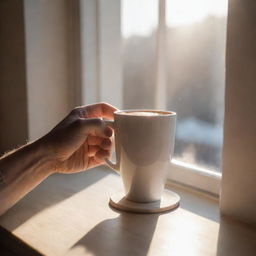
70,215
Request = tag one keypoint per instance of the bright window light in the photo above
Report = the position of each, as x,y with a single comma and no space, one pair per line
184,12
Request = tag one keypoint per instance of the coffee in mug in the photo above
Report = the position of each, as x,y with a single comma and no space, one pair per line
141,113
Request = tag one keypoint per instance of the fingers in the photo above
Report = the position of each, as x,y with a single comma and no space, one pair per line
98,110
92,150
108,131
93,162
94,140
92,126
101,154
98,159
104,143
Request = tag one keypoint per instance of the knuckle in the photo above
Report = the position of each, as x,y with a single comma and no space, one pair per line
75,111
103,104
78,123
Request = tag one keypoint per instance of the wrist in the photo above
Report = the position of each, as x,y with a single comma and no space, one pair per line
30,158
43,157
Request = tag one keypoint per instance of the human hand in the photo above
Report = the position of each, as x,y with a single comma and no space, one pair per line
81,140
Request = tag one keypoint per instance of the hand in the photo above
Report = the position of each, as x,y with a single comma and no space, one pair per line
80,141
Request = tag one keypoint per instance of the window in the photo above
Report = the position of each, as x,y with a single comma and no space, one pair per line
139,20
196,38
166,54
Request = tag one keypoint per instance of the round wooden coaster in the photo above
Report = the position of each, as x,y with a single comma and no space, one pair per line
169,201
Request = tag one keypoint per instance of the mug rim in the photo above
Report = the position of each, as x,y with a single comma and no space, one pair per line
159,112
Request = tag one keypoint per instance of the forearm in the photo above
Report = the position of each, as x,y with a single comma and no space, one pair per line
80,141
22,171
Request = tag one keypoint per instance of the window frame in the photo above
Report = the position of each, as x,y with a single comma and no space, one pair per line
195,177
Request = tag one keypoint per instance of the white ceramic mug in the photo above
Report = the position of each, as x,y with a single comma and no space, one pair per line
144,146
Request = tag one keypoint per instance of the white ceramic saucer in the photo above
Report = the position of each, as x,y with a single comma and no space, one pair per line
169,201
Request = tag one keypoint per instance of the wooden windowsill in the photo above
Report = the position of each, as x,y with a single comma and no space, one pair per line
69,215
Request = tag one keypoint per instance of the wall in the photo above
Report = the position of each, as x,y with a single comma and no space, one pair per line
50,93
238,194
13,105
39,74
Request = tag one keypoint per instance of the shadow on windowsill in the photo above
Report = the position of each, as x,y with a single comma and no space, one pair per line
134,233
53,190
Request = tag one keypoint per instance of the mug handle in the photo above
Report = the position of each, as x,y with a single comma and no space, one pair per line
110,163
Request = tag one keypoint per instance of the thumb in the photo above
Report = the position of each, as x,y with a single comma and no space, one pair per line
93,126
